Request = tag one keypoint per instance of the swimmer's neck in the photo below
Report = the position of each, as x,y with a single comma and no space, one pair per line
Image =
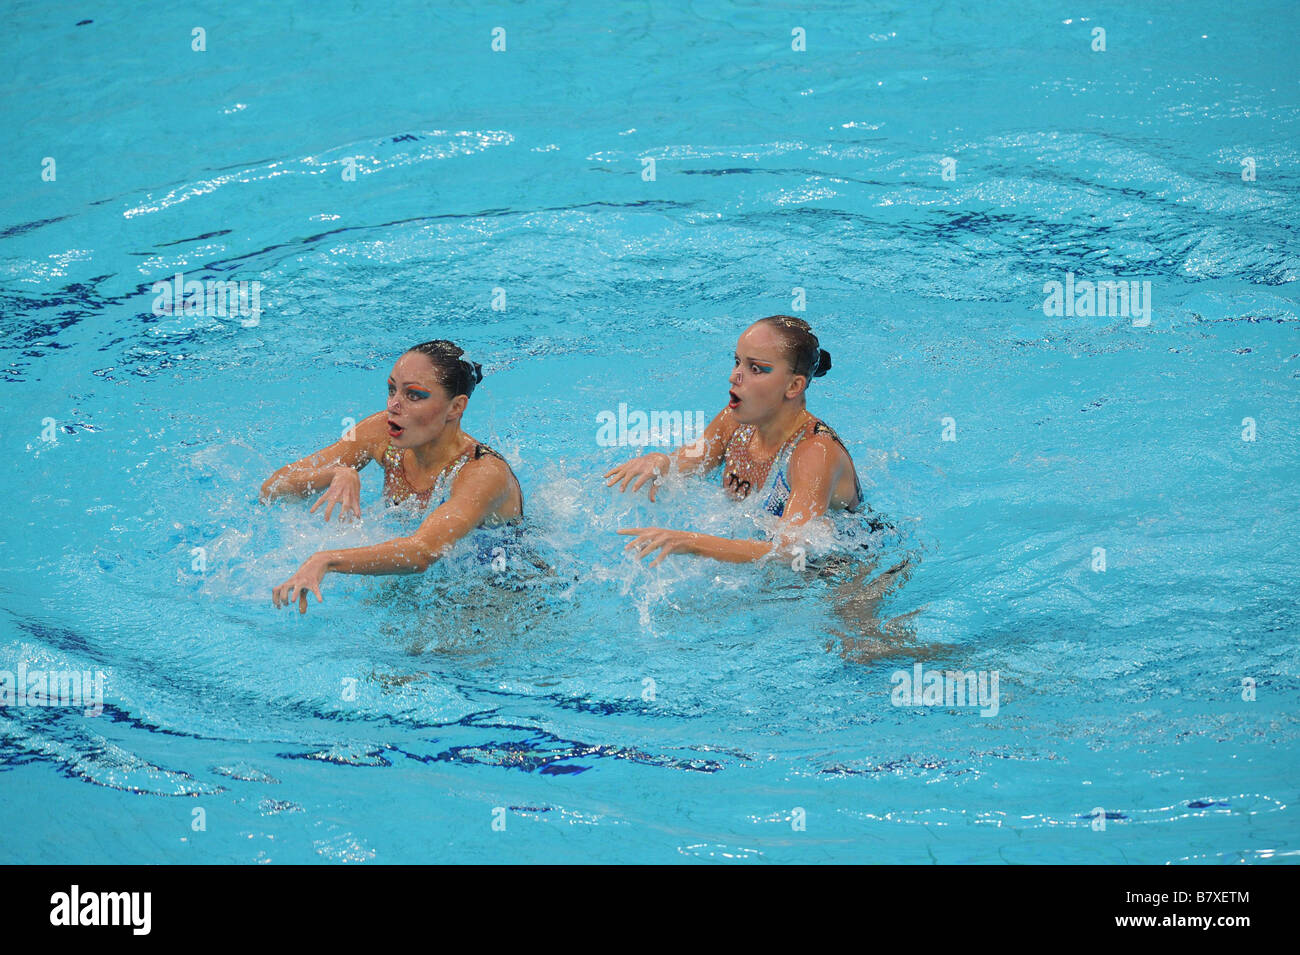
431,458
774,432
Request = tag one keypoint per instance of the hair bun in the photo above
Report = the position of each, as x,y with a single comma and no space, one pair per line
824,364
456,373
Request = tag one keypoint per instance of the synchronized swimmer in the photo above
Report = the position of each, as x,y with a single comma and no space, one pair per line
425,456
764,438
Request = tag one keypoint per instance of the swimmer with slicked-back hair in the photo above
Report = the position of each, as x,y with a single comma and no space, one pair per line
427,459
767,443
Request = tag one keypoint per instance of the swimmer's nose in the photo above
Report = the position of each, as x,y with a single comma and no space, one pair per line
734,377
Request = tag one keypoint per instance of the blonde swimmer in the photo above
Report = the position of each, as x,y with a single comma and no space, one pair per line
767,443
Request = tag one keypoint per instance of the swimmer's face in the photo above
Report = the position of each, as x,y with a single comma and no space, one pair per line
419,409
762,379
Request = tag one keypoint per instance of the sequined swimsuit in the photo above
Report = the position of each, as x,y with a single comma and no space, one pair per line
740,472
397,489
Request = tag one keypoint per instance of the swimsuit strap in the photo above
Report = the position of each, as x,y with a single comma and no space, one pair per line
448,474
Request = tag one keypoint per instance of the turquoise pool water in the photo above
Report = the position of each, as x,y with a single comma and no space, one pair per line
694,712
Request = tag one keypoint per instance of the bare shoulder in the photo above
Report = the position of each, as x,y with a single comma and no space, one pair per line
820,450
488,481
487,472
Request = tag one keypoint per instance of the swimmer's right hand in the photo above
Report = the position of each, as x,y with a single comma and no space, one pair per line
344,491
648,467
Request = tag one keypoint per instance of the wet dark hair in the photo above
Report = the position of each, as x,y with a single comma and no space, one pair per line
802,349
456,375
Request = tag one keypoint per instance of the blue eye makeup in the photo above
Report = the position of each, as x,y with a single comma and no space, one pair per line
416,394
757,368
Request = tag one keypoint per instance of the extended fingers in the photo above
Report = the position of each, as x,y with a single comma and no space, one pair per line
617,474
669,547
653,478
628,478
283,595
662,543
647,540
626,473
346,505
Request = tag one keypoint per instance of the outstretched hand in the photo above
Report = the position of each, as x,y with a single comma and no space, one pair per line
651,539
648,467
344,492
305,579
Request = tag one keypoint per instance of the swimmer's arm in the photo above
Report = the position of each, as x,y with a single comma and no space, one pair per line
479,491
788,543
314,472
810,475
705,453
648,540
702,455
810,491
727,550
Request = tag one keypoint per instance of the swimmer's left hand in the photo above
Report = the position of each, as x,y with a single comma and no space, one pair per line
651,539
306,579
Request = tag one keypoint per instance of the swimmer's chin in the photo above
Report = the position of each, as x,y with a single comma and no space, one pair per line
739,416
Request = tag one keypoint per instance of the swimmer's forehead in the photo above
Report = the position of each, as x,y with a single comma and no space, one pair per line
424,369
762,339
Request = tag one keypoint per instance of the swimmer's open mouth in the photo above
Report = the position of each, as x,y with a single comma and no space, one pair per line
394,430
734,400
